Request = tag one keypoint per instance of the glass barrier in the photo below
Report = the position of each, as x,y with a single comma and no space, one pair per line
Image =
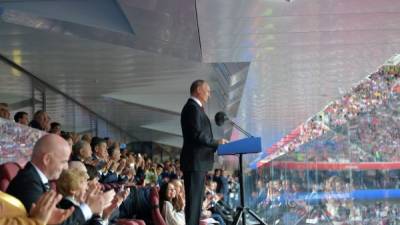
342,166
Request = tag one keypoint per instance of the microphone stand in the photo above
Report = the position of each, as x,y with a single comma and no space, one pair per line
242,210
240,129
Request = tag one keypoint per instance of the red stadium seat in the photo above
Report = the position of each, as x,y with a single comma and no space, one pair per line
130,222
7,172
202,222
155,212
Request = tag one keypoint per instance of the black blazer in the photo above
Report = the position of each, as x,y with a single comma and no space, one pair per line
28,187
199,144
66,204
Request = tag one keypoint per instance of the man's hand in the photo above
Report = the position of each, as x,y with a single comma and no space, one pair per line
108,210
45,209
114,166
222,141
95,201
60,215
108,197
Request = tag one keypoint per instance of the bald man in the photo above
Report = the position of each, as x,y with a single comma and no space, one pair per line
49,158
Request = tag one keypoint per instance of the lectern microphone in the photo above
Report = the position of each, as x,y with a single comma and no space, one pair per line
220,118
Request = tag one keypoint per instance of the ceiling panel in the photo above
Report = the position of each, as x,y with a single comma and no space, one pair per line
303,53
128,87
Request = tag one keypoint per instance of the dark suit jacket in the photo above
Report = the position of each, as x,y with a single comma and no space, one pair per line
28,187
199,144
66,204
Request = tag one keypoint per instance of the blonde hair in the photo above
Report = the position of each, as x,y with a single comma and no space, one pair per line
70,180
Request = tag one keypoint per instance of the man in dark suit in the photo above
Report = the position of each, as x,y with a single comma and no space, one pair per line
198,149
49,157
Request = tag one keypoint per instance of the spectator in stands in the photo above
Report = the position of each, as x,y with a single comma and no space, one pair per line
21,118
81,151
13,212
41,121
222,185
171,206
216,178
109,142
68,137
99,148
4,111
110,168
180,190
159,171
73,185
150,177
55,128
49,157
209,205
140,169
259,194
87,138
114,152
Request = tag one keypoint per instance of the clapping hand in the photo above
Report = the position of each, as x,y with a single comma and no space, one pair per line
45,209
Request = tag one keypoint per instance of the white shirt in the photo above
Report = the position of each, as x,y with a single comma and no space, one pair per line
172,217
43,177
197,101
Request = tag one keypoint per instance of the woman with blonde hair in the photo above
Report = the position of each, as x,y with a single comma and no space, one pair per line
73,185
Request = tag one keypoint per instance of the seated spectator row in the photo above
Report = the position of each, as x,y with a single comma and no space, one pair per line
100,183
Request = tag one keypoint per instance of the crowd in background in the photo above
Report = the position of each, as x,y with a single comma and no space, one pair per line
368,114
123,179
301,197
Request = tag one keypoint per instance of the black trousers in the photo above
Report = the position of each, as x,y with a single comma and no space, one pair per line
194,194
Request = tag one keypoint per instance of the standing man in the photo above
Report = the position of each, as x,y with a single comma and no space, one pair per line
198,149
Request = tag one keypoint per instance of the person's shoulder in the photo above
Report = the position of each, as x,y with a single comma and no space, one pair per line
65,204
190,103
26,177
28,173
190,106
168,205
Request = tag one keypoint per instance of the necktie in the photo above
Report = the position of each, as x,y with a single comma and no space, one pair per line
46,187
202,109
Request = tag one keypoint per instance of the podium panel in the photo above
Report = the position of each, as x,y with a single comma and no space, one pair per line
243,146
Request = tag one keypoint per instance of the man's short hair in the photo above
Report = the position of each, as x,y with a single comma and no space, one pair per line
97,141
54,125
195,85
76,148
66,135
19,115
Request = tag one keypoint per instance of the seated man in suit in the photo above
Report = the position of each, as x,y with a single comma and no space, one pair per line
44,211
49,157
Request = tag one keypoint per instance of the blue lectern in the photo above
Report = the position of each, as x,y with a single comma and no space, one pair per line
242,146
